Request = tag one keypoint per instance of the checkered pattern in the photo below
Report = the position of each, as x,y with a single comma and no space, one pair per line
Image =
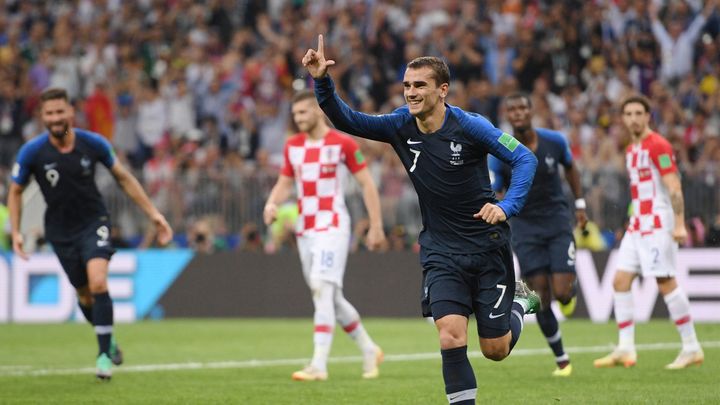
315,164
647,162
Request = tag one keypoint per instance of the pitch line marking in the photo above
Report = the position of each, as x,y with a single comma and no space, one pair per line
26,371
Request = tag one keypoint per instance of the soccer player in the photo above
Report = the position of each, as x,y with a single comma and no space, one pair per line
77,224
313,159
650,244
465,252
542,236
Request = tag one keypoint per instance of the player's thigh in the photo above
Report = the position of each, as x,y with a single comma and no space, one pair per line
69,255
532,254
95,243
492,301
562,253
628,256
446,289
329,252
539,281
658,254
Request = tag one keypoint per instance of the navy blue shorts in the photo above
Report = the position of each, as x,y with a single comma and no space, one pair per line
462,284
93,242
552,254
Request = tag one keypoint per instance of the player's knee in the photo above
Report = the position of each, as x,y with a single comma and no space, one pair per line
563,296
621,282
450,339
495,352
84,297
98,286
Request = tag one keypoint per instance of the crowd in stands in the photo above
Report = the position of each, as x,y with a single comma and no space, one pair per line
194,94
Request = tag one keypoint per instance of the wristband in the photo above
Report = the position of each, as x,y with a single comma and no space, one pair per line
580,204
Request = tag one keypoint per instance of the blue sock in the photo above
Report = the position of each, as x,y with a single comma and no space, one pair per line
87,312
516,323
460,385
102,315
550,328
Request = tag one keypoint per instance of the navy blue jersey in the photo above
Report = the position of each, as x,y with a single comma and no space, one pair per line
447,167
547,207
67,181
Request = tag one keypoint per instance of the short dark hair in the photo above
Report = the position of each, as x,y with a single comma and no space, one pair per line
303,95
441,72
54,93
636,98
519,95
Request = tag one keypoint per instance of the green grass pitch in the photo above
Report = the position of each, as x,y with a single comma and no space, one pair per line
249,361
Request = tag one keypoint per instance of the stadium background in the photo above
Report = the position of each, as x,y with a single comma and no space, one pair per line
194,97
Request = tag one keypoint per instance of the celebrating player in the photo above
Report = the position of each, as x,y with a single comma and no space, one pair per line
77,223
465,250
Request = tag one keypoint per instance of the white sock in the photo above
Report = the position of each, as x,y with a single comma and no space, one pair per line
624,312
349,318
678,305
324,322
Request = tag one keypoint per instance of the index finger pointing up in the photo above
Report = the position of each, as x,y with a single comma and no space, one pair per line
321,46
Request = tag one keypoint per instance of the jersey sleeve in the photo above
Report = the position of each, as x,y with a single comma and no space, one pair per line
663,156
354,159
509,150
376,127
497,180
566,158
287,168
21,170
105,151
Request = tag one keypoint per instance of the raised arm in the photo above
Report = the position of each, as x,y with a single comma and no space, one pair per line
134,190
378,128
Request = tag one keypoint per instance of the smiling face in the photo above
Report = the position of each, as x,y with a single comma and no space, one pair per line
636,118
422,92
57,115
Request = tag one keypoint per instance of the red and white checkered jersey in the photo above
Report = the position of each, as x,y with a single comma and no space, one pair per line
647,162
314,164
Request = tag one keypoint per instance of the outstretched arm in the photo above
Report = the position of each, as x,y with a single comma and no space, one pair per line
375,127
134,190
15,208
376,234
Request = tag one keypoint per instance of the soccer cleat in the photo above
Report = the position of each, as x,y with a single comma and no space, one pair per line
563,372
103,366
116,355
371,363
686,359
527,298
618,357
568,309
310,373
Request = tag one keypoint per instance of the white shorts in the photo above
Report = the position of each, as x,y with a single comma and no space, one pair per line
652,255
323,256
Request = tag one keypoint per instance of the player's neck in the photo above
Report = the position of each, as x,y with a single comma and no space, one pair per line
527,137
66,143
642,136
433,121
319,132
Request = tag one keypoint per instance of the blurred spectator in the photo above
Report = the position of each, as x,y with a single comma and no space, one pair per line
210,83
